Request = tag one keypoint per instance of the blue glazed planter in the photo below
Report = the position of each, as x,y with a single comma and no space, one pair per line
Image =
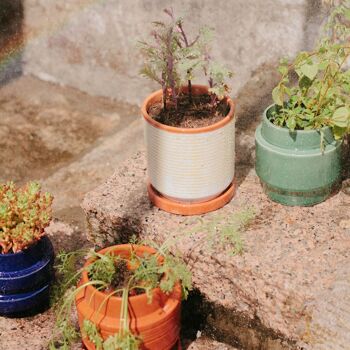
25,278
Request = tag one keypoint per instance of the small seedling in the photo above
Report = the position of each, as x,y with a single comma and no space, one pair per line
225,232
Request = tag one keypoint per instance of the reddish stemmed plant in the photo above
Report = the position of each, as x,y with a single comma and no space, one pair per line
173,60
24,214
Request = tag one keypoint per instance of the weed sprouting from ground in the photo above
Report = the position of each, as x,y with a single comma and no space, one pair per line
225,232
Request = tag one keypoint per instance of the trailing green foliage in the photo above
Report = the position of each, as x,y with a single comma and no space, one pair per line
125,341
321,96
149,271
172,60
24,214
103,268
67,273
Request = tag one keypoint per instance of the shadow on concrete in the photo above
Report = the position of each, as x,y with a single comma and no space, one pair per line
11,39
253,98
226,325
346,162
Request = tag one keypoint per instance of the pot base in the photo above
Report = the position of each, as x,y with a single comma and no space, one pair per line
300,199
188,208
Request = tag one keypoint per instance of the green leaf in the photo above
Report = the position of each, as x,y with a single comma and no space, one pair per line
305,82
322,65
341,117
338,132
291,123
347,14
283,69
276,96
309,70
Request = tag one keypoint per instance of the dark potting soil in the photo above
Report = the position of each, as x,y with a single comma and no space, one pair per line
200,113
121,279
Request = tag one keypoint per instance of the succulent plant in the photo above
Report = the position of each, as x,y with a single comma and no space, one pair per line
24,214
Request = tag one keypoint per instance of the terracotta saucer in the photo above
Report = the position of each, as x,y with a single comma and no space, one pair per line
188,208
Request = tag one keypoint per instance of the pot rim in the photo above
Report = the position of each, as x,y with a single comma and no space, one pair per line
285,129
197,89
9,255
126,248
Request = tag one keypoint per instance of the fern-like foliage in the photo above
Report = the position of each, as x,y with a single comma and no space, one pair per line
148,271
120,341
225,232
173,60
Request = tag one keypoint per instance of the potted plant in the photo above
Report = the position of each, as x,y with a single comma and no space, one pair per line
298,144
26,254
128,298
189,129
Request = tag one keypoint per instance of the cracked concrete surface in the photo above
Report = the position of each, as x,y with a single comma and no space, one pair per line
71,142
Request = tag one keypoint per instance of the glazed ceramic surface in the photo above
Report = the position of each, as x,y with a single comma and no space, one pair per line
25,278
292,167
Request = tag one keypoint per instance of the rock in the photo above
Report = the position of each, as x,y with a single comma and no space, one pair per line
269,297
344,224
203,343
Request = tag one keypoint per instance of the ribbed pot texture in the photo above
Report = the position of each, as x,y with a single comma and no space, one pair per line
157,323
25,278
190,165
292,166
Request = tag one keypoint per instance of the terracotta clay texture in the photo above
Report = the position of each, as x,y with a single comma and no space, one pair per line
188,209
157,323
289,288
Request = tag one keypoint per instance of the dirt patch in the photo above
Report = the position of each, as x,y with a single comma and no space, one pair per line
44,126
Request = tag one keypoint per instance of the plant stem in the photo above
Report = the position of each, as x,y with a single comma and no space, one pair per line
329,84
170,67
190,91
184,37
164,91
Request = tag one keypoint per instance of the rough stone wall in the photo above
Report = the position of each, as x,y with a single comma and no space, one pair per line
11,39
91,44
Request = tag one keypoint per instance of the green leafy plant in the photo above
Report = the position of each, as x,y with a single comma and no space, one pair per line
24,214
173,60
321,96
115,275
123,340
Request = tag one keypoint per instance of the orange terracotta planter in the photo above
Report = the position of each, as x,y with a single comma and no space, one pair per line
156,323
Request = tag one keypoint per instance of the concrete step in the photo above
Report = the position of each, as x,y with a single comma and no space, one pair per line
289,287
204,343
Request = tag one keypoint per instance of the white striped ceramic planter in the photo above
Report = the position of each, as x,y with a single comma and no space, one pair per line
190,165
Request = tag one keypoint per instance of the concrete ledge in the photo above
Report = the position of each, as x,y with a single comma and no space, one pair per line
208,344
288,290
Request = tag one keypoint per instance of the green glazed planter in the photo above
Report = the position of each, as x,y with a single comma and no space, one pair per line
291,165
